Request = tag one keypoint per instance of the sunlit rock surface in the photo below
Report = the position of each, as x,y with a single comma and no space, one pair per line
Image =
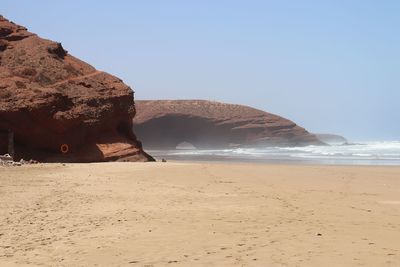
50,100
163,124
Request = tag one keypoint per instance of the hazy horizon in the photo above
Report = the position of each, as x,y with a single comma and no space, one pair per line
331,66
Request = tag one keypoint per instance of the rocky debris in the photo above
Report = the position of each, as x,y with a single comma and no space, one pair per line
164,124
60,108
6,157
6,161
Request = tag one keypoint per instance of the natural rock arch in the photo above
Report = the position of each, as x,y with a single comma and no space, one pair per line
185,146
163,124
168,131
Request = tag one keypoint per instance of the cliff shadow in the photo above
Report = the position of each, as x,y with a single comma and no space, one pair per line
169,131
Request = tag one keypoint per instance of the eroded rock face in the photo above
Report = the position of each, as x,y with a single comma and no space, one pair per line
163,124
49,98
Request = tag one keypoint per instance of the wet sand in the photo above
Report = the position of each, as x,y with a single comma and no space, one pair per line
199,214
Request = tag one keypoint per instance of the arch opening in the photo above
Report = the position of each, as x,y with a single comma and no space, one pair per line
185,146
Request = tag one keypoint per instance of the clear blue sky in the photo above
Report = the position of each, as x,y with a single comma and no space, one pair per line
331,66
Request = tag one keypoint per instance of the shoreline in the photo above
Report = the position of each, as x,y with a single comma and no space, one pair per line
280,162
208,162
369,153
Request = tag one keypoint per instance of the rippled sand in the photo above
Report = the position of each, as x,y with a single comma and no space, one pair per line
189,214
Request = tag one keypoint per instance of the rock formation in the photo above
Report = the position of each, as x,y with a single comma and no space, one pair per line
53,101
164,124
332,139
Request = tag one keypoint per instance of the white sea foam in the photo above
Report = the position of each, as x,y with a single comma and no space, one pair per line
368,153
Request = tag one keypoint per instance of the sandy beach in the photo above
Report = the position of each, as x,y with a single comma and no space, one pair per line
199,214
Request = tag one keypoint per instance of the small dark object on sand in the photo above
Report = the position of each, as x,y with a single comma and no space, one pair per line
163,160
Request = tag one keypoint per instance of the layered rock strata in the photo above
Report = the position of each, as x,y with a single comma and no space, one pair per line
59,108
164,124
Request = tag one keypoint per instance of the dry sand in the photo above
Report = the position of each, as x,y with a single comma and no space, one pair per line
189,214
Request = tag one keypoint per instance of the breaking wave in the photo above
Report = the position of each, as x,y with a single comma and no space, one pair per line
368,153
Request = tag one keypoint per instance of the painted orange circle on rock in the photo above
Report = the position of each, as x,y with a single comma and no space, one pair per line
64,148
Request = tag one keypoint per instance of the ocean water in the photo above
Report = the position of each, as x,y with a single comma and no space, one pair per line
367,153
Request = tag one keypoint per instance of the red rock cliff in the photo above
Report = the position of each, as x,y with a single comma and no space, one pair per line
163,124
49,98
